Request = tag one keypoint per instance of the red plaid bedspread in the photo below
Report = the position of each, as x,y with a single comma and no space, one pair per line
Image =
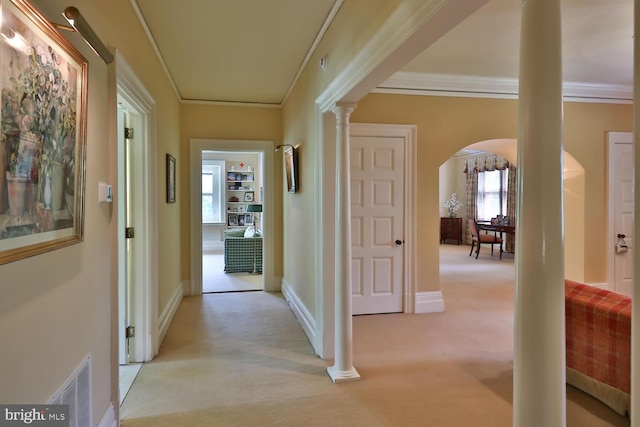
598,334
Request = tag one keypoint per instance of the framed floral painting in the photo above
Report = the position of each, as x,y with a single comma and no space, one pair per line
42,147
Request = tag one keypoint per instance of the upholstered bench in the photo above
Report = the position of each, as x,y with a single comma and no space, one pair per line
598,337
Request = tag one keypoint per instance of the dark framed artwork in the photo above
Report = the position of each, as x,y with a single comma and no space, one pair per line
42,150
290,168
171,179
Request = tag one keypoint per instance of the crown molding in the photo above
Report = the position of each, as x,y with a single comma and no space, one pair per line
154,45
405,83
229,103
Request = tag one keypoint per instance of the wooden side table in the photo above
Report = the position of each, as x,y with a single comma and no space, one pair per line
450,229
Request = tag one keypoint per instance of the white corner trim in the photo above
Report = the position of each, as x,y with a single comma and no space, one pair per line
186,287
306,320
406,83
169,311
429,302
601,285
108,418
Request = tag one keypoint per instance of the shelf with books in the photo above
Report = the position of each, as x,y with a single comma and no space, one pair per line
240,192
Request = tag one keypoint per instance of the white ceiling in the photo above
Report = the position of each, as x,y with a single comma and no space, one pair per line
252,51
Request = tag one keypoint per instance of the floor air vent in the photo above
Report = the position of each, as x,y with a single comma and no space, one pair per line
76,392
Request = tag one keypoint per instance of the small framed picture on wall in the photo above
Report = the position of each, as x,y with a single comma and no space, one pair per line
171,179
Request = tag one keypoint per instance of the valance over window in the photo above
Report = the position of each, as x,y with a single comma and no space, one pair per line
486,162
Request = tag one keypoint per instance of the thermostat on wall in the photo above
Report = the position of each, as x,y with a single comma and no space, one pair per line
104,193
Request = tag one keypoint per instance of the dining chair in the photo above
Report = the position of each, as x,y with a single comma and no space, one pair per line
476,237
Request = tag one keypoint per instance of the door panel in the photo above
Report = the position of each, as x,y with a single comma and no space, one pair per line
623,215
377,212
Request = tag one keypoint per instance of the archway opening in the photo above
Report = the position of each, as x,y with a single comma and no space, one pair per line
452,179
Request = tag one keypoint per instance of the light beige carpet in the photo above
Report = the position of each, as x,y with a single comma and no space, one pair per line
214,279
243,360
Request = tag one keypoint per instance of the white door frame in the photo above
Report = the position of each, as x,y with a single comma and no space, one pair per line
138,100
365,298
196,146
613,138
409,135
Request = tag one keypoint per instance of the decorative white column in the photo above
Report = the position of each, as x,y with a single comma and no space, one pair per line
635,290
342,369
539,372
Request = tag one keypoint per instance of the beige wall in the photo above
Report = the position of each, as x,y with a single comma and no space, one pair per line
236,123
449,182
61,306
356,21
585,127
445,125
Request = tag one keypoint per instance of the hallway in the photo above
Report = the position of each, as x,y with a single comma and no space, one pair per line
240,359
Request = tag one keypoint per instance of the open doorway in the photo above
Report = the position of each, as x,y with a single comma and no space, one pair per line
261,191
453,179
134,195
232,200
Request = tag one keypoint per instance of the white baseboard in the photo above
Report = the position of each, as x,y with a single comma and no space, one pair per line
308,323
169,311
108,418
429,302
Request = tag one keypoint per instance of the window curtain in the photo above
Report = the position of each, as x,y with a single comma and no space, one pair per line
472,197
487,163
509,244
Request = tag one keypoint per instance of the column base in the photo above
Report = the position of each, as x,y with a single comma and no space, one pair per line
339,376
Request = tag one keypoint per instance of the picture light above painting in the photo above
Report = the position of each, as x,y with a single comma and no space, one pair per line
44,83
291,166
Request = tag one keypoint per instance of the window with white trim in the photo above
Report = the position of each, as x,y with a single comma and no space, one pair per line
212,191
492,194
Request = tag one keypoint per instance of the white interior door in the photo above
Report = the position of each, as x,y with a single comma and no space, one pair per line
138,107
621,175
377,224
126,247
123,288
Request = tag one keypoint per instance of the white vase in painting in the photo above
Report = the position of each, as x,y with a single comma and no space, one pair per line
47,192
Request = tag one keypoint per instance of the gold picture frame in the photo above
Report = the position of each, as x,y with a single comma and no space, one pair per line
42,146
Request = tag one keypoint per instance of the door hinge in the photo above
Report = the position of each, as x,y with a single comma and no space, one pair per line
131,332
128,133
129,233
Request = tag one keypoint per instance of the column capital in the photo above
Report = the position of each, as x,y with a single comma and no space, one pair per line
343,110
